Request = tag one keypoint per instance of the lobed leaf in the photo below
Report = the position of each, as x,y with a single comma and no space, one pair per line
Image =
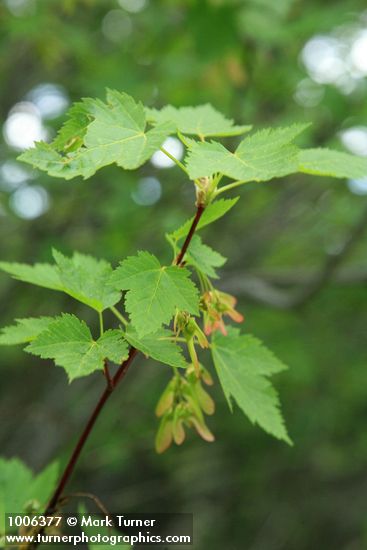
325,162
45,275
202,121
87,279
24,331
243,365
19,486
69,342
83,277
71,134
204,258
117,133
158,346
154,291
265,155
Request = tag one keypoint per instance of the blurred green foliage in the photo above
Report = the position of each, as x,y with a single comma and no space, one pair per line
245,490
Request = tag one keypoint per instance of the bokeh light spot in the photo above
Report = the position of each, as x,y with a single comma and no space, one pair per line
24,126
133,6
308,93
116,26
358,187
30,202
358,54
355,140
322,58
51,100
147,192
20,7
174,147
12,175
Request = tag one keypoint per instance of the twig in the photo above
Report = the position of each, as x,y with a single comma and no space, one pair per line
87,430
199,213
107,374
120,374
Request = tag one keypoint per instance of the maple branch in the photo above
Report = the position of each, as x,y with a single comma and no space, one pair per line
111,386
107,374
69,469
199,213
87,430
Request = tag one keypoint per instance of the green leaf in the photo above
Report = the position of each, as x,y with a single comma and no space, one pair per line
154,291
83,277
18,486
71,135
265,155
158,347
44,157
243,365
324,162
204,258
87,280
24,331
117,134
213,212
69,342
202,121
45,275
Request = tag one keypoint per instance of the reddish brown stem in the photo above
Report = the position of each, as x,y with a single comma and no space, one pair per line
111,386
107,374
199,213
88,428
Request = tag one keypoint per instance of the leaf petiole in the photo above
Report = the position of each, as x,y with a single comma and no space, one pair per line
119,315
176,161
183,139
228,187
101,329
172,339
